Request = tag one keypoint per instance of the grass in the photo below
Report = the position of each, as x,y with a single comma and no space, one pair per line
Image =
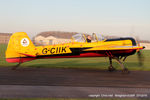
92,63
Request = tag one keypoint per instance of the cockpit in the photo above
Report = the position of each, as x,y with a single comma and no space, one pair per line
95,37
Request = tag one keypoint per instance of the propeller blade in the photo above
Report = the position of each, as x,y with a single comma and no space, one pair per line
140,58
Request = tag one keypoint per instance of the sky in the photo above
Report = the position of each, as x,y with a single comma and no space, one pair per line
107,17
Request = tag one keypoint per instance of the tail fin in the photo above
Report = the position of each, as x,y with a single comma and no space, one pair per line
19,46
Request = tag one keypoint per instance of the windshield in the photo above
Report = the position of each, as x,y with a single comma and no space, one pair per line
97,37
78,38
83,38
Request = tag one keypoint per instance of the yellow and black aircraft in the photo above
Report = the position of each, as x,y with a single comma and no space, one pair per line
21,49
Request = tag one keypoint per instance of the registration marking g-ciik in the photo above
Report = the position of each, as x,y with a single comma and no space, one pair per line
53,50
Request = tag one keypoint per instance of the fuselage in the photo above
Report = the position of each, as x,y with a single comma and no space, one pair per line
104,48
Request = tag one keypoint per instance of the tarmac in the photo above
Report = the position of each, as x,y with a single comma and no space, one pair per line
72,83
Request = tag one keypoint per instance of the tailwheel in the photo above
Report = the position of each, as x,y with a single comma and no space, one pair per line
15,67
111,69
125,71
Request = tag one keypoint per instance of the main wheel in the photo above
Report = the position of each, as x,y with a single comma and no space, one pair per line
111,69
125,71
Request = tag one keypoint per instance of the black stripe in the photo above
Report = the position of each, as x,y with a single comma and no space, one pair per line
78,50
127,38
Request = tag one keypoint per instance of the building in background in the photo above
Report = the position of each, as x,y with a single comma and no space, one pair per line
53,37
4,38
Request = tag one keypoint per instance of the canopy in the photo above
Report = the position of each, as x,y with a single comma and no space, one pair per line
82,37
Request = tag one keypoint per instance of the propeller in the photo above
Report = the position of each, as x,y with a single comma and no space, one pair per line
140,57
139,52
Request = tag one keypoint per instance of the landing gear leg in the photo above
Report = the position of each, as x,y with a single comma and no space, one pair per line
111,68
125,70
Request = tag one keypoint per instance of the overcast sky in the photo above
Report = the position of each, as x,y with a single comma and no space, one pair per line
108,17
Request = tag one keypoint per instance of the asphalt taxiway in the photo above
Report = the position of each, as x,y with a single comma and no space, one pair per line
72,83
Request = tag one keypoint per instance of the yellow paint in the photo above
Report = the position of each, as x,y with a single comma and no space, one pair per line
17,47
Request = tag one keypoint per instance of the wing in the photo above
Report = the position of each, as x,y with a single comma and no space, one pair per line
108,47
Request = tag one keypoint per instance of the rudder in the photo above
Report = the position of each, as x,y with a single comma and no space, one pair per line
20,46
